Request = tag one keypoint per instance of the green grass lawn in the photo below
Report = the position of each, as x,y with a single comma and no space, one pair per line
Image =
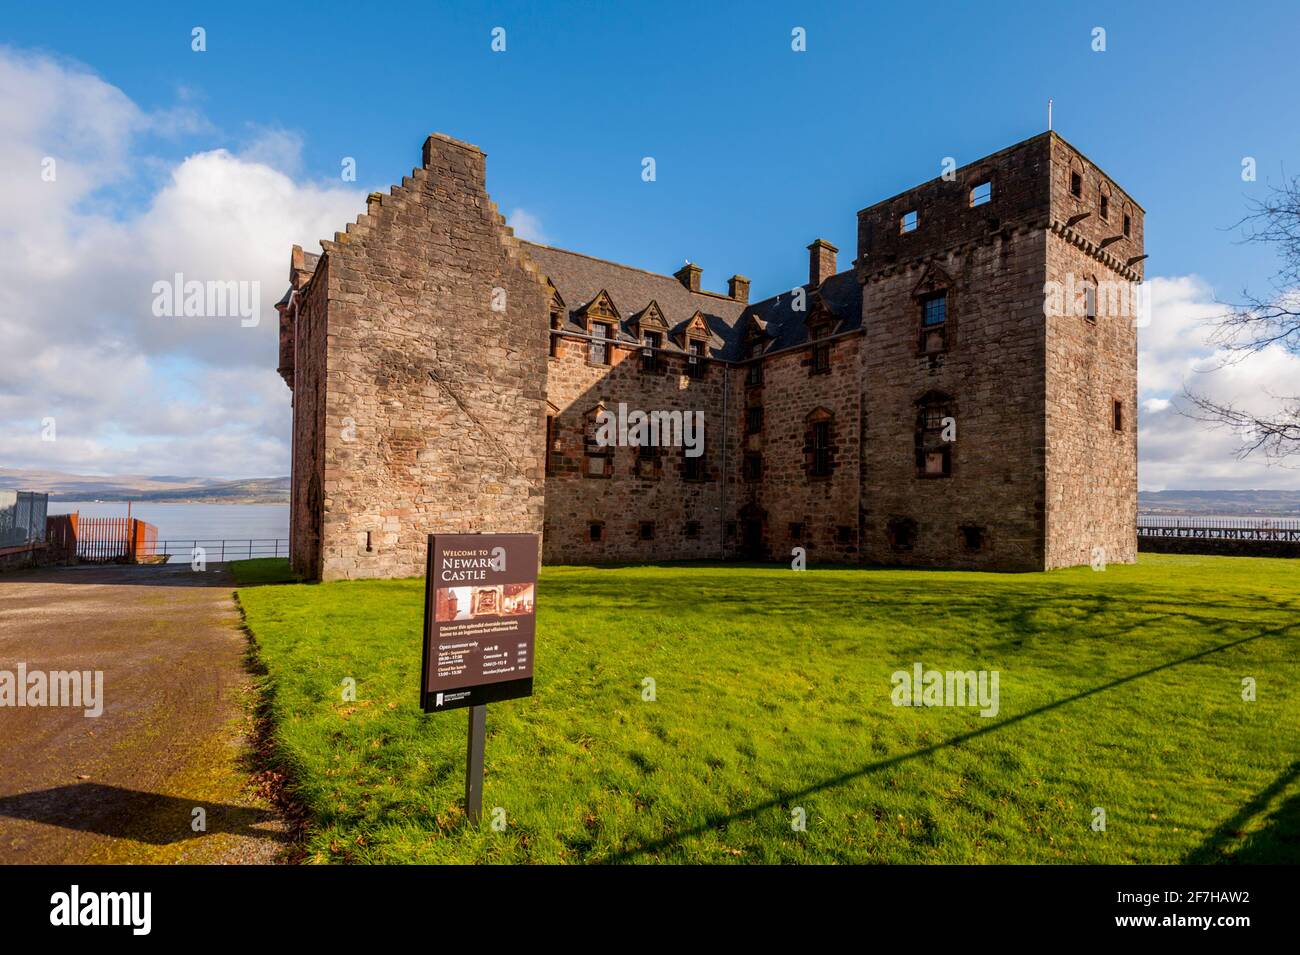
1120,689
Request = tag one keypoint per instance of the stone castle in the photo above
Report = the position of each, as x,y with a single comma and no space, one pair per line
920,407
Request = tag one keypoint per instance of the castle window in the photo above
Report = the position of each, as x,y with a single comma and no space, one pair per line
596,531
650,353
754,373
908,223
1090,302
821,351
981,193
692,468
753,467
1128,224
1104,206
555,337
729,531
933,450
934,320
692,530
552,443
1117,414
599,347
754,419
844,534
821,453
818,453
598,461
796,531
646,530
695,364
902,533
972,538
1076,185
647,461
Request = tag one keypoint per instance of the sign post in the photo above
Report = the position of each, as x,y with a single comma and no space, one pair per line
480,593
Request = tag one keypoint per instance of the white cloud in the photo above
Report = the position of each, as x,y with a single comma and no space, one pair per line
1175,451
527,226
131,392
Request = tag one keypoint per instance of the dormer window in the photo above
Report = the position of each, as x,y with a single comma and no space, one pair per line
821,349
599,344
754,373
934,322
695,363
652,343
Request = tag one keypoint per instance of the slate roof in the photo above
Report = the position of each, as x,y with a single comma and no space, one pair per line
841,294
580,278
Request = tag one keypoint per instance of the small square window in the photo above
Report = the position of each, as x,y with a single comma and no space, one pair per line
796,531
908,222
1076,185
902,533
982,193
1117,415
844,534
646,530
972,538
692,467
595,532
692,530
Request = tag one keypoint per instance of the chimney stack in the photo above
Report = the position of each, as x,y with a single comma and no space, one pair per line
738,288
689,276
821,261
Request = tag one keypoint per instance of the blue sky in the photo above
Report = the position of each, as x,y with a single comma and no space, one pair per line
758,149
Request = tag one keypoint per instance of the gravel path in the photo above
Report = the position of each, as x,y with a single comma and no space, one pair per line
173,736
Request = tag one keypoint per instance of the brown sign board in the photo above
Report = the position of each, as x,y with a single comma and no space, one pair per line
480,595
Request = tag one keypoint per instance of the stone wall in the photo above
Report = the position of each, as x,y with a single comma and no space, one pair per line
793,506
1091,362
435,377
631,494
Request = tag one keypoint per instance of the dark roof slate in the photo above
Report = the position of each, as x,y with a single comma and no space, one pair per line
841,295
580,278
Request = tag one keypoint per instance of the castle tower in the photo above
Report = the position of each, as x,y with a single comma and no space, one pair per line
999,370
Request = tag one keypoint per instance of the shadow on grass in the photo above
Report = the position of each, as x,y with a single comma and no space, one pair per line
1277,843
132,814
721,820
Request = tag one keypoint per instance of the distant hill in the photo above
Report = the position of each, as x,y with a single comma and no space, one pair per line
157,489
1227,503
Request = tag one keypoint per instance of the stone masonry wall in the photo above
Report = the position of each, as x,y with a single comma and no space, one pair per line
309,365
826,508
1091,467
623,500
434,399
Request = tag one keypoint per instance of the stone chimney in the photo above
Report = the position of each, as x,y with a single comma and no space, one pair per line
821,261
738,288
689,276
